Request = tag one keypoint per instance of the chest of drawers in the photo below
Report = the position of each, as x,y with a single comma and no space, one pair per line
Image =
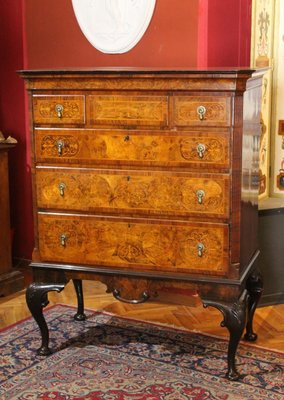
147,180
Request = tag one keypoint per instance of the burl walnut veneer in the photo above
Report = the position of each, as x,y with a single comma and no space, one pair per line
147,180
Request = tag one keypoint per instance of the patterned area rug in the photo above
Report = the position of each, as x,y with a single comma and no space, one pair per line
111,358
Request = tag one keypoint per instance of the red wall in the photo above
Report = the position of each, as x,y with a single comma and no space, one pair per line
54,38
45,34
13,122
229,32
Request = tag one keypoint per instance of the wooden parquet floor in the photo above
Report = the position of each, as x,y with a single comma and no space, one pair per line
268,322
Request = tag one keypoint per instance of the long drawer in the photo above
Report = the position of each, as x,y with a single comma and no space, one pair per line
136,244
165,149
133,191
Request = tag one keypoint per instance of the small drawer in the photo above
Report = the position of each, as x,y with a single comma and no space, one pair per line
202,111
121,110
133,192
196,150
57,110
134,244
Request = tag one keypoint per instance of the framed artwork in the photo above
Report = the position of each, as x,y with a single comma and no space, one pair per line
263,12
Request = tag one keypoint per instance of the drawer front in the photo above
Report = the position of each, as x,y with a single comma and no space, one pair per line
133,148
128,110
59,110
202,111
129,191
134,244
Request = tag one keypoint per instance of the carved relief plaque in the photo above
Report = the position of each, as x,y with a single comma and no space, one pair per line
113,26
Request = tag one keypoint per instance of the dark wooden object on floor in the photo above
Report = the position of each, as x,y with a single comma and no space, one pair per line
10,280
147,180
271,260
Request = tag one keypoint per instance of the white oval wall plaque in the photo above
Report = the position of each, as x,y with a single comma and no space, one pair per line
113,26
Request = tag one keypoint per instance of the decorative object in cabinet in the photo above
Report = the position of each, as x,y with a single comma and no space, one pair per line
145,179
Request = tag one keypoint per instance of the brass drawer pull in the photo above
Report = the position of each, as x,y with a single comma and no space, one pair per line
144,297
200,249
63,239
201,111
200,194
59,110
60,145
61,188
200,150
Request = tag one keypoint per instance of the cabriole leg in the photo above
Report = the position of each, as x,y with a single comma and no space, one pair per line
234,320
80,315
255,288
37,299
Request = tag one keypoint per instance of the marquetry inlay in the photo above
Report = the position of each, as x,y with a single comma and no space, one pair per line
217,111
166,245
216,149
129,110
132,147
88,189
59,109
49,146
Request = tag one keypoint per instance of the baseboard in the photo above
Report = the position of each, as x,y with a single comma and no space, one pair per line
271,299
11,282
21,263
